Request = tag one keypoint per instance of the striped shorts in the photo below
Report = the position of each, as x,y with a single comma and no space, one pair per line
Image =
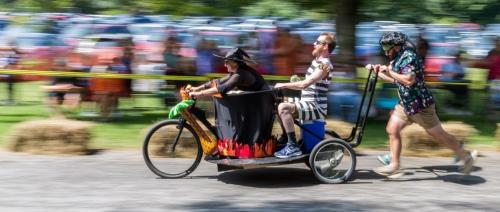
309,110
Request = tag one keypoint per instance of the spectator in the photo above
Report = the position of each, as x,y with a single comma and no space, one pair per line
85,66
171,55
11,57
454,73
285,52
422,47
205,62
126,60
265,40
493,61
106,91
63,89
173,59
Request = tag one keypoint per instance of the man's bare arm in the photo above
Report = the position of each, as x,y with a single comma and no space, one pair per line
405,79
316,76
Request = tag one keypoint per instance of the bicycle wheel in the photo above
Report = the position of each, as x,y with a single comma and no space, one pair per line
172,149
332,161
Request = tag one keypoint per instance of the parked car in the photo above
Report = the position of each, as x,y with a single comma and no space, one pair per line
101,47
71,35
38,51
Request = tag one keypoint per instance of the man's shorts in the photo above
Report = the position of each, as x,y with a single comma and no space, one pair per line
309,110
426,118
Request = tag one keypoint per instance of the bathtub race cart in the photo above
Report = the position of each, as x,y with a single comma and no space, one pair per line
174,148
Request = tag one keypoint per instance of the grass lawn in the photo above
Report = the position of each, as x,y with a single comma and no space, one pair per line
142,111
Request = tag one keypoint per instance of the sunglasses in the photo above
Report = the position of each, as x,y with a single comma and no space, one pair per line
387,47
319,42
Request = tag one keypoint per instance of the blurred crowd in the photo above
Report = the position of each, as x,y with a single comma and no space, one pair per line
157,44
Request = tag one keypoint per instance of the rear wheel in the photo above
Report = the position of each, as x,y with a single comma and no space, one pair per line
172,149
332,161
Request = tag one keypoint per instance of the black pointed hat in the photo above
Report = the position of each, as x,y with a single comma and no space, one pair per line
237,55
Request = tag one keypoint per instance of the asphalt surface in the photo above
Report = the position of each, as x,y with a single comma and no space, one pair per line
120,181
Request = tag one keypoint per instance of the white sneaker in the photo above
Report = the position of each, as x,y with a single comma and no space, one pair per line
469,160
386,170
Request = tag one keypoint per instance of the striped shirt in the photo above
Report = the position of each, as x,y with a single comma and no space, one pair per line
313,99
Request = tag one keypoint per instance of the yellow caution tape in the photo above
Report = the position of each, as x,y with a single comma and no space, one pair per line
102,75
179,78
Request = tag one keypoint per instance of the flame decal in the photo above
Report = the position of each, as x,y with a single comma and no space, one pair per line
233,148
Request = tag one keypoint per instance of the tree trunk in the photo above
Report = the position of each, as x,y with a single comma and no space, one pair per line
345,27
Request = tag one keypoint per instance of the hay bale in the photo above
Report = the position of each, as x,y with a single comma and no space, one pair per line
51,136
161,142
498,136
340,127
416,141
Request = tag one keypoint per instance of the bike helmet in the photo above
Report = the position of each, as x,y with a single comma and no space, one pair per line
391,39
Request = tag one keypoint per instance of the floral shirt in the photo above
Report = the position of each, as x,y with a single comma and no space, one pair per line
416,97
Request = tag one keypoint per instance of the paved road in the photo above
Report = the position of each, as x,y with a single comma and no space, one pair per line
120,181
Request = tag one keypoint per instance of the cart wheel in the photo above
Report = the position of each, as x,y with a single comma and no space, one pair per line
172,149
332,161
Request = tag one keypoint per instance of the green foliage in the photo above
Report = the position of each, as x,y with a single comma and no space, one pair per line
432,11
273,8
408,11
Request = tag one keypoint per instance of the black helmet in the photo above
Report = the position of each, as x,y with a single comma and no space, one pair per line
391,39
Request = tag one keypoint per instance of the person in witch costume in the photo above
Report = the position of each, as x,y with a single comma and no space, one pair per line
241,76
243,120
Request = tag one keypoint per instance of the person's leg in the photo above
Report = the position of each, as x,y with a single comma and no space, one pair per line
286,110
393,129
446,139
72,100
396,123
451,142
291,149
10,88
429,120
104,103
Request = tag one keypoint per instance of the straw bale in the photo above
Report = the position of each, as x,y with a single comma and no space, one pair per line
162,141
51,136
416,141
497,138
340,127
